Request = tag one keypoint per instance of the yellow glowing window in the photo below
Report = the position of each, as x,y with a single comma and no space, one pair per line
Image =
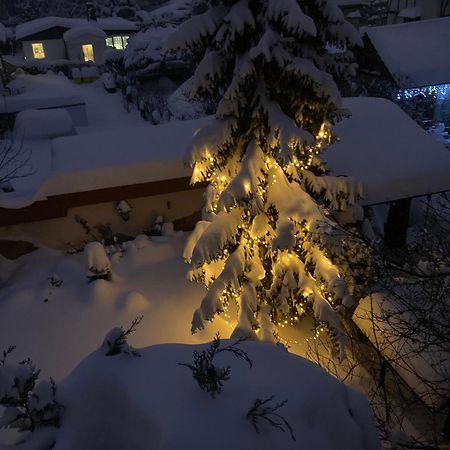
88,52
38,50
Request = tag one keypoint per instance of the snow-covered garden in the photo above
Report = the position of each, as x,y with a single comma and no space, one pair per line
54,314
297,309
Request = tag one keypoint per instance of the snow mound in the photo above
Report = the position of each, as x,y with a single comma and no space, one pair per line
43,124
151,402
96,260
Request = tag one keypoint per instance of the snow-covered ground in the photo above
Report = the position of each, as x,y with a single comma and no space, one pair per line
58,326
152,403
105,111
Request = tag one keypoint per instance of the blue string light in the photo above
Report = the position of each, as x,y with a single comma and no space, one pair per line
441,91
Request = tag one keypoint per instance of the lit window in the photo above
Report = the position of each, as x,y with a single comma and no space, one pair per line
88,52
38,50
118,42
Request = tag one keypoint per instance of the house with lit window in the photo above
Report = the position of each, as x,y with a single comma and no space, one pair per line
416,56
76,40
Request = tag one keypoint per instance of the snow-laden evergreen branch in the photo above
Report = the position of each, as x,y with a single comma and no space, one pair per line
269,242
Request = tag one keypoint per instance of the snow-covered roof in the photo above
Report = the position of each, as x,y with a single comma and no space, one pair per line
413,12
120,158
394,159
41,91
85,29
388,152
107,159
416,53
44,23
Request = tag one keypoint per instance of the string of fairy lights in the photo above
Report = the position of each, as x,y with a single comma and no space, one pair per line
441,91
209,169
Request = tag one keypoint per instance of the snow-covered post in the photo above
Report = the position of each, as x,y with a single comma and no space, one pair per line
98,264
269,241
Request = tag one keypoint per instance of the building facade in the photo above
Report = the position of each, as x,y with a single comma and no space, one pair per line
76,40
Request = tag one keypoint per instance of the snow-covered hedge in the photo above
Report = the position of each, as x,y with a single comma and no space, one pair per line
145,47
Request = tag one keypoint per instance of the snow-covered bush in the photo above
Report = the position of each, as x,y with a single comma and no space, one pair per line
124,209
28,405
183,108
157,227
264,411
14,163
270,239
97,262
115,341
144,48
208,376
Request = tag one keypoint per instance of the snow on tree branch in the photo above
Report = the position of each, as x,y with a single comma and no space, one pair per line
269,242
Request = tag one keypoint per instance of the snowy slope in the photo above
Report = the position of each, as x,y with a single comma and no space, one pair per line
152,403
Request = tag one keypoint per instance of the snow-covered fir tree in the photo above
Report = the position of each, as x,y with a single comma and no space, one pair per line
269,243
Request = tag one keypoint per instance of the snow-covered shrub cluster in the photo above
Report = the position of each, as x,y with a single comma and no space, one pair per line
144,48
269,243
98,264
28,405
173,12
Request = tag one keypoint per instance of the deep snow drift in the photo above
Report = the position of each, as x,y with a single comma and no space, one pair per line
150,402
